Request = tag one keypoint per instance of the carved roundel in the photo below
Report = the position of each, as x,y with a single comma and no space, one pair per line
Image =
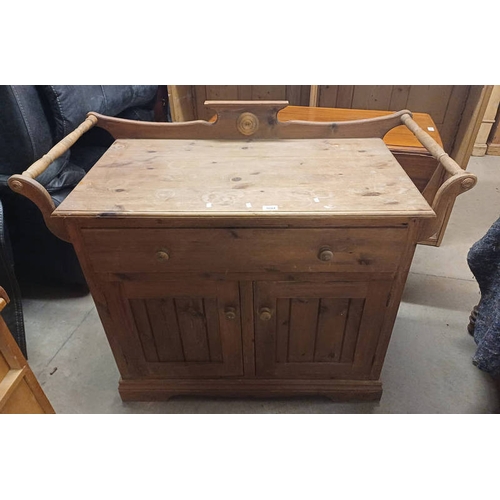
16,185
247,124
468,183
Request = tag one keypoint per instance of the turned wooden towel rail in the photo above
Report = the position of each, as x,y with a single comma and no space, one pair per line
252,120
26,184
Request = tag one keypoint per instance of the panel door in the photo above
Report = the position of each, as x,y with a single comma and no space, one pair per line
178,329
318,330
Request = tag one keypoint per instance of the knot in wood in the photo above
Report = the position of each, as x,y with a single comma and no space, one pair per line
247,124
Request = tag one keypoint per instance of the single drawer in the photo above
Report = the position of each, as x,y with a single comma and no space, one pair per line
244,250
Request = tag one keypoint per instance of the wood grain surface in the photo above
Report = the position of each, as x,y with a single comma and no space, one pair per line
364,250
143,177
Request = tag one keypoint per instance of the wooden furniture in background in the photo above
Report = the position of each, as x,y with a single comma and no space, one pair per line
494,140
487,122
450,106
494,136
187,102
20,391
314,96
249,256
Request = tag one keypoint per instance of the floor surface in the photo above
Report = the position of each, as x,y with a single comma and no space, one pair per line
428,366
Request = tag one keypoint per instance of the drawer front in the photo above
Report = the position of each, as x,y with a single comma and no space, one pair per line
244,250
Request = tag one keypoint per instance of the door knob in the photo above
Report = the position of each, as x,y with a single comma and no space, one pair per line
265,314
325,254
230,313
162,254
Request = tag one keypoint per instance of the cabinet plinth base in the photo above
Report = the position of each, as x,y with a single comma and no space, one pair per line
336,390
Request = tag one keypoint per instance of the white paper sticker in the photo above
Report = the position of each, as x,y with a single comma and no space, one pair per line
270,207
249,205
430,129
209,205
316,200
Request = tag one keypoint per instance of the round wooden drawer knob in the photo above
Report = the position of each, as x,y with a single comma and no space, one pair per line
230,313
162,255
325,254
265,314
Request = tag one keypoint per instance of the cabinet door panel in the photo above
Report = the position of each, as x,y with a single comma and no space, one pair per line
318,330
180,329
162,315
193,327
331,323
302,329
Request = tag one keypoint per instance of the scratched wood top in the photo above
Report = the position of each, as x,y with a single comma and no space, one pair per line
153,177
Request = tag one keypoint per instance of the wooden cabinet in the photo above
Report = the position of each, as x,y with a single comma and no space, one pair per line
250,305
176,299
249,256
271,268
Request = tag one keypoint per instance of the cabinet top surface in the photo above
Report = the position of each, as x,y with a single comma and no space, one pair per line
203,178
